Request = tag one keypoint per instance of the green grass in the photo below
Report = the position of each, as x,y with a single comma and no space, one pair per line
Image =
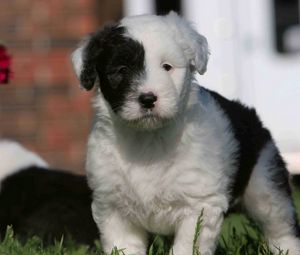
245,241
239,237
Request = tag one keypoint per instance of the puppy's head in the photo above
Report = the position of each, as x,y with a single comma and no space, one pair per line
144,65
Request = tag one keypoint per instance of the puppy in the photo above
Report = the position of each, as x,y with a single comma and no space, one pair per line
164,148
36,201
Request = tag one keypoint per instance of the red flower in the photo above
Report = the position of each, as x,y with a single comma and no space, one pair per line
4,65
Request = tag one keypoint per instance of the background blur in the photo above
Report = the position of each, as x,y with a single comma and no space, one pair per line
255,57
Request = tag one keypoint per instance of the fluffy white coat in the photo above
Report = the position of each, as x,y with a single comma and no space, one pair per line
158,174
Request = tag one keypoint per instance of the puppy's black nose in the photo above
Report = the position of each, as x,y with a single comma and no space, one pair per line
147,100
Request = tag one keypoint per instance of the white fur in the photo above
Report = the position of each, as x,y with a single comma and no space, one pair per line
14,157
193,44
77,58
269,207
160,181
190,49
155,171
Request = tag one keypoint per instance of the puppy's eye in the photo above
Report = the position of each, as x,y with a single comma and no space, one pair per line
167,67
120,70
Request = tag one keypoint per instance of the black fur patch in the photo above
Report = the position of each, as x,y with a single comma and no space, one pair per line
49,204
116,60
279,174
250,135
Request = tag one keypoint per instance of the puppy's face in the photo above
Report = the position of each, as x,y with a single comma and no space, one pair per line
143,65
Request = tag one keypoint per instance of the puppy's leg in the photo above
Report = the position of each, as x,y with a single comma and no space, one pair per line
209,232
268,201
117,231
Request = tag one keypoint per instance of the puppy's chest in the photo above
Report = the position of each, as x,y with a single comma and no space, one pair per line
155,196
157,185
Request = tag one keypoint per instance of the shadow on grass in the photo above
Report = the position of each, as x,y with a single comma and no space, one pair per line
239,237
244,241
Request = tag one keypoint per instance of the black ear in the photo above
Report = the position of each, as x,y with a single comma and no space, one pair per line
83,64
89,55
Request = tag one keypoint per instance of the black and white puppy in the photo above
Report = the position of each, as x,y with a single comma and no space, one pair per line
37,201
164,148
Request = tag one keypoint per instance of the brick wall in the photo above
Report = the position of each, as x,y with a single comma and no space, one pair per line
43,107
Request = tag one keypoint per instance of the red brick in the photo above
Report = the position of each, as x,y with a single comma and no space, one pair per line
43,107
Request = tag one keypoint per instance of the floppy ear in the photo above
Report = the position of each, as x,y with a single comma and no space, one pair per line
84,65
88,56
194,44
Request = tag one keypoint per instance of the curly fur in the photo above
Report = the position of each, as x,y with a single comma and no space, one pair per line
155,169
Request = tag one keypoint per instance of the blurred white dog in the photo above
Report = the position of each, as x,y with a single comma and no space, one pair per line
164,148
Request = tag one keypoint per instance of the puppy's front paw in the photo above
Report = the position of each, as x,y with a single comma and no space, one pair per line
188,250
182,250
126,251
126,247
